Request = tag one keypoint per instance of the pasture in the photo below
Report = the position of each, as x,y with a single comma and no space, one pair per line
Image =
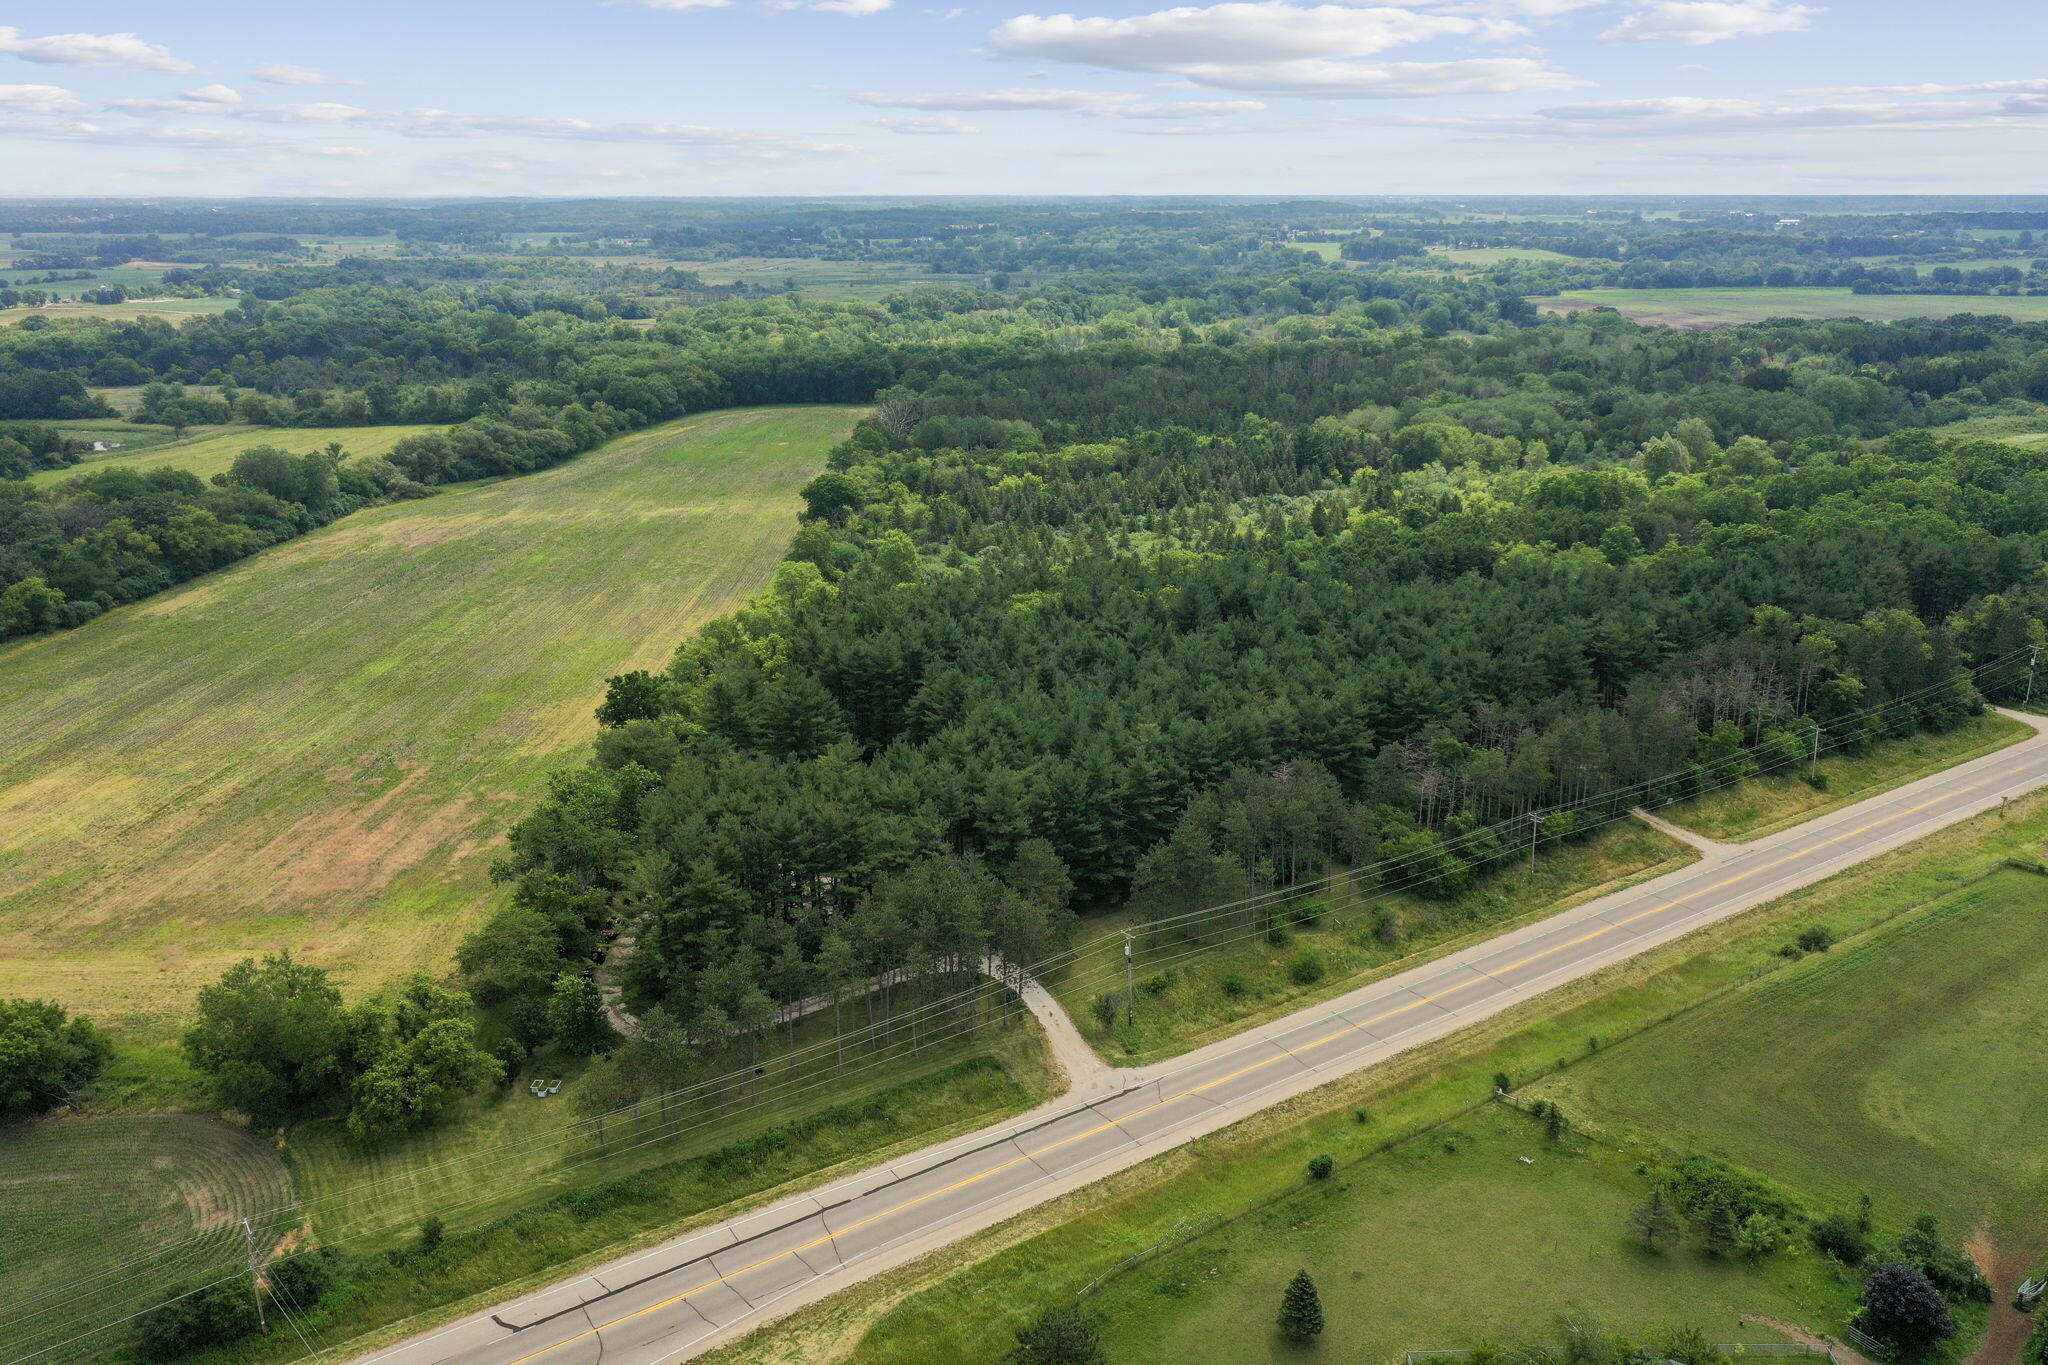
173,310
1693,308
76,1188
1904,1064
319,748
214,449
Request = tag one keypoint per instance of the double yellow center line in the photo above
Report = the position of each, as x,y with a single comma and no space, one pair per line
1285,1054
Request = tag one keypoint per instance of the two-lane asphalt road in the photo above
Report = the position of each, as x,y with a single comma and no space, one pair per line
679,1299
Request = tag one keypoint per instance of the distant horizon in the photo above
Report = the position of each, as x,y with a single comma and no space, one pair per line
825,98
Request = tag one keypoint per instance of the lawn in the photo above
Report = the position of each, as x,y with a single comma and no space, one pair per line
1191,993
1480,1231
1905,1064
1764,805
213,450
77,1187
320,747
1715,307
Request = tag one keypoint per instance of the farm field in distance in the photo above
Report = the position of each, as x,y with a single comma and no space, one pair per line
239,765
212,451
174,309
1717,307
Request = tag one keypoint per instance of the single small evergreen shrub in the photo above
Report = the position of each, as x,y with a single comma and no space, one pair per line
1321,1166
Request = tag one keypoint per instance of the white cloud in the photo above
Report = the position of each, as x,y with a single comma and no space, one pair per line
927,124
857,9
213,94
287,73
1276,47
1681,115
1179,109
39,99
2031,86
1699,22
1237,33
92,49
982,100
676,6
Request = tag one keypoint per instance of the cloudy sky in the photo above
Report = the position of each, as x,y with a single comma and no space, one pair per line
697,97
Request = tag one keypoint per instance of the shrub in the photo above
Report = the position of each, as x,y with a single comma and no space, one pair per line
1307,967
1954,1275
1157,983
195,1319
1234,984
1308,910
1758,1236
299,1281
1279,936
1901,1306
1817,939
1061,1336
431,1234
1386,929
1108,1006
1321,1165
1839,1239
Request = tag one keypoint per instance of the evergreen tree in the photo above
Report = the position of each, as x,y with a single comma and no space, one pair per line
1654,1223
1301,1309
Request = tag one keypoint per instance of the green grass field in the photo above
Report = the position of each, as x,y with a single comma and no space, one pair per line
1191,1005
78,1190
1763,805
321,747
210,452
829,280
1496,255
175,309
1715,307
1449,1240
1906,1064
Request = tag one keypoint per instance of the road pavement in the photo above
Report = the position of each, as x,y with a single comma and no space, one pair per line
682,1298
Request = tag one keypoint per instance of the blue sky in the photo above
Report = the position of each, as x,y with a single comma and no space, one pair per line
707,97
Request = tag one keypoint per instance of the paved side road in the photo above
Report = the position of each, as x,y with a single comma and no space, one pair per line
680,1299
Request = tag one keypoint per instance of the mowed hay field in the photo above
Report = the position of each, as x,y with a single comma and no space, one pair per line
76,1188
1906,1064
320,748
211,453
1715,307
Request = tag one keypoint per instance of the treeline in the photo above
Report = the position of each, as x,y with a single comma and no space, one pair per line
72,549
1184,665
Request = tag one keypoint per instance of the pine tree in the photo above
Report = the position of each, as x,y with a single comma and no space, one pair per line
1717,1229
1301,1308
1654,1222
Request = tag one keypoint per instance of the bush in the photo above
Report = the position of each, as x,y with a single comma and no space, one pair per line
299,1281
1321,1165
1954,1275
1061,1336
1307,967
195,1319
1279,936
1157,983
1817,939
1108,1006
1901,1306
1839,1239
1309,911
1234,984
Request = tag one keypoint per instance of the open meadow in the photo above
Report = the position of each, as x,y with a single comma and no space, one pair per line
320,747
1904,1064
177,310
1717,307
213,450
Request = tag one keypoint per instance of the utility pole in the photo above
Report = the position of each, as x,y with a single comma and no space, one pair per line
1813,760
1130,983
1535,827
255,1274
2032,661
